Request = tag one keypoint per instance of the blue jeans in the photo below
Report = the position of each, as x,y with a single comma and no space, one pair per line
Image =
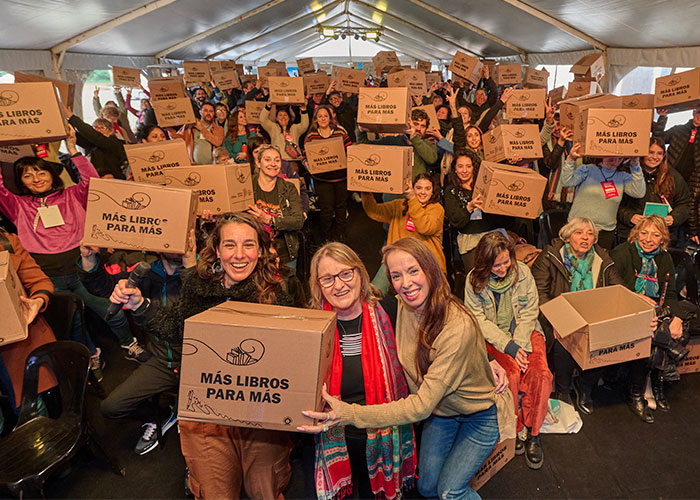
99,305
452,450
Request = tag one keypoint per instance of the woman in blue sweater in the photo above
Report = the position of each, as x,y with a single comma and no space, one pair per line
599,189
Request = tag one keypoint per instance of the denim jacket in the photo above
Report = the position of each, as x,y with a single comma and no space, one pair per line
525,303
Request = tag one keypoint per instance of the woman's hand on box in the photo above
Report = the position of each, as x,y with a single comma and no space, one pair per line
323,420
129,298
71,140
575,153
31,307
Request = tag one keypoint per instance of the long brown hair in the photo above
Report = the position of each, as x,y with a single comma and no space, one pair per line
265,273
490,246
439,298
664,185
332,123
476,163
232,131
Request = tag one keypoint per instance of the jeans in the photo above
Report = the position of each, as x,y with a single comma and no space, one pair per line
452,450
99,305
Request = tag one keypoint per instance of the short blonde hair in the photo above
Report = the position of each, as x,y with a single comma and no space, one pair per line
658,223
574,225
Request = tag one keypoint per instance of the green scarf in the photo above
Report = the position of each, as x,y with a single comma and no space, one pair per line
504,288
647,282
580,269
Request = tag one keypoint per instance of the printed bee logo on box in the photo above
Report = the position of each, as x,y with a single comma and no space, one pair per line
8,98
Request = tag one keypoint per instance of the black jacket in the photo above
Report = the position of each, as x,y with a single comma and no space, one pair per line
106,153
346,115
677,139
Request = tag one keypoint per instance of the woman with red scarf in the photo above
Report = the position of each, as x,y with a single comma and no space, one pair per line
379,462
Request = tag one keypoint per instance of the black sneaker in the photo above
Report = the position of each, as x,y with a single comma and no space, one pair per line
534,456
149,440
134,352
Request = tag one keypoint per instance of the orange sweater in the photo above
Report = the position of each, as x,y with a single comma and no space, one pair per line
428,221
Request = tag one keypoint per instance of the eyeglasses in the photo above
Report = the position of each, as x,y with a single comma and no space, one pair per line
345,276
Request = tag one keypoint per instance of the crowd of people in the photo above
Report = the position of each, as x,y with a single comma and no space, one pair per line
420,356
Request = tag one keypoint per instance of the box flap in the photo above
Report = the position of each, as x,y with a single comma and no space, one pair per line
563,316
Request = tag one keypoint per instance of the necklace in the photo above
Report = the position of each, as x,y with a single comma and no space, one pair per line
357,326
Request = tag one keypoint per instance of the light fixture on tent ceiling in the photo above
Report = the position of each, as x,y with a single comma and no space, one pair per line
343,32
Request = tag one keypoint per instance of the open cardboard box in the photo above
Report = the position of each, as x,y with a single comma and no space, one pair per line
602,326
14,326
691,363
466,67
149,160
384,60
590,66
255,365
535,78
510,190
501,454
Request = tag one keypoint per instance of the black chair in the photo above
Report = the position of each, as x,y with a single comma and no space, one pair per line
550,222
39,446
686,276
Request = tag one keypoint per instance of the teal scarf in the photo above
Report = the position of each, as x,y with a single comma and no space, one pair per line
647,282
504,288
580,269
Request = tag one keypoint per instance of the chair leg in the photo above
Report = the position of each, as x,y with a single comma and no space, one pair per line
29,489
99,451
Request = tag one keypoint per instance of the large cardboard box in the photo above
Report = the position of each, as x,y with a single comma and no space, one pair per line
569,108
287,90
196,72
590,66
512,141
384,109
30,113
379,169
253,110
431,78
413,79
148,161
466,66
510,190
602,326
501,454
580,89
349,80
316,83
509,74
433,121
65,89
226,79
126,77
174,112
225,66
679,91
424,66
613,132
135,216
326,155
535,78
248,78
638,101
264,72
306,65
556,95
220,188
165,88
691,363
255,365
14,326
526,103
384,60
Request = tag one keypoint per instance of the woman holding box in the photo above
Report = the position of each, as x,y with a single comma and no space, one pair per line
452,386
502,294
365,370
599,189
238,136
236,264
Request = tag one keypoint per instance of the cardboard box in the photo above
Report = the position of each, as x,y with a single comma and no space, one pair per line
679,91
535,78
556,95
384,109
509,74
306,65
602,326
431,78
65,89
253,110
225,66
264,72
580,89
326,155
226,79
613,132
287,90
196,72
248,78
169,87
510,190
384,60
590,66
501,454
316,83
255,365
691,363
126,77
466,66
569,108
281,65
638,101
30,113
148,161
14,326
174,112
512,141
350,80
526,103
135,216
413,79
433,121
424,66
379,169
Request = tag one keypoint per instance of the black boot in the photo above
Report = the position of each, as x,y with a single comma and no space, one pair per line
638,405
534,456
657,387
520,439
582,398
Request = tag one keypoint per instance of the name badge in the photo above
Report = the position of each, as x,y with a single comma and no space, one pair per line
50,216
410,226
609,189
